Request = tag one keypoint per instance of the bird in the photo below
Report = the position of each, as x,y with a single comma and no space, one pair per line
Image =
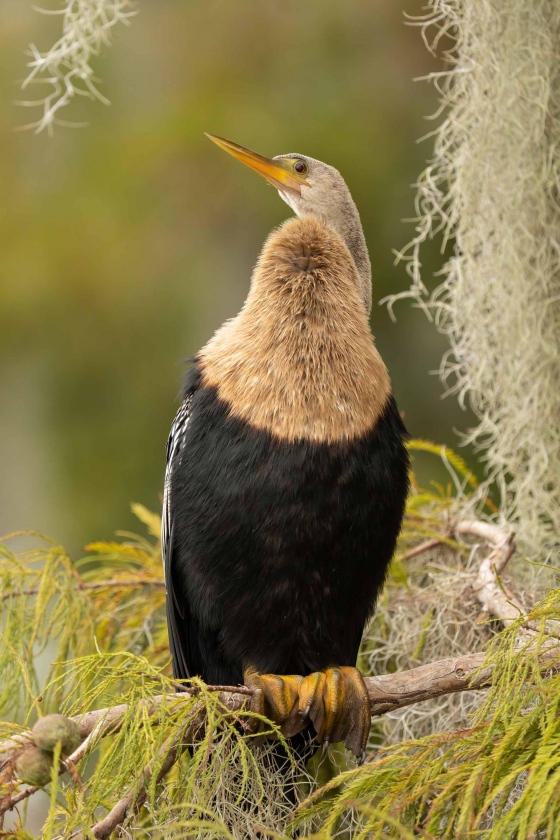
287,472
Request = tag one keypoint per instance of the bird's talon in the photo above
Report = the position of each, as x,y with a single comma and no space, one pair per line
335,701
339,707
277,698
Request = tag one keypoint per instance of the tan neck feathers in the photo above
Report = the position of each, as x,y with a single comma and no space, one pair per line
299,360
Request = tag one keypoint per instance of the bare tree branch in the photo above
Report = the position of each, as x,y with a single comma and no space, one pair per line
393,691
494,598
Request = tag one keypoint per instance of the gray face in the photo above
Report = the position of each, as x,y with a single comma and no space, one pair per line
327,197
327,191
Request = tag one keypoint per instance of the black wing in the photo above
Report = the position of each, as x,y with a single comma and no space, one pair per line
178,618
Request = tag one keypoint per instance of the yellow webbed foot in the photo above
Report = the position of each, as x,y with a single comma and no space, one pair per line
335,701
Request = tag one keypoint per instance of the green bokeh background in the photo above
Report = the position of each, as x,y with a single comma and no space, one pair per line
125,244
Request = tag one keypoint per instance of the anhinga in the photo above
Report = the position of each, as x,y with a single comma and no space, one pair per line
287,472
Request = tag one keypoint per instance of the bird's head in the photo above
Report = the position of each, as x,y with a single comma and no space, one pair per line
312,188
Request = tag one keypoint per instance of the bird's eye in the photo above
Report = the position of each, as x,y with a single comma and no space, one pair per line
300,167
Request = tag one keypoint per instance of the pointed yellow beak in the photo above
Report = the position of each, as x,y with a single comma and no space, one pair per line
280,173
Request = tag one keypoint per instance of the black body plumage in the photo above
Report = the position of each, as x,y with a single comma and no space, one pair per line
275,551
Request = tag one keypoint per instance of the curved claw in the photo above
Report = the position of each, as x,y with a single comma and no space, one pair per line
310,693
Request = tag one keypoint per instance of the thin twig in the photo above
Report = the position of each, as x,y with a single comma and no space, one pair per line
18,797
97,584
421,549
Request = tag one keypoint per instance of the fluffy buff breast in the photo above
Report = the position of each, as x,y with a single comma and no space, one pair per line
299,360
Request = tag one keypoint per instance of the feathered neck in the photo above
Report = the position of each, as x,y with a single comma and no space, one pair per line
299,360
